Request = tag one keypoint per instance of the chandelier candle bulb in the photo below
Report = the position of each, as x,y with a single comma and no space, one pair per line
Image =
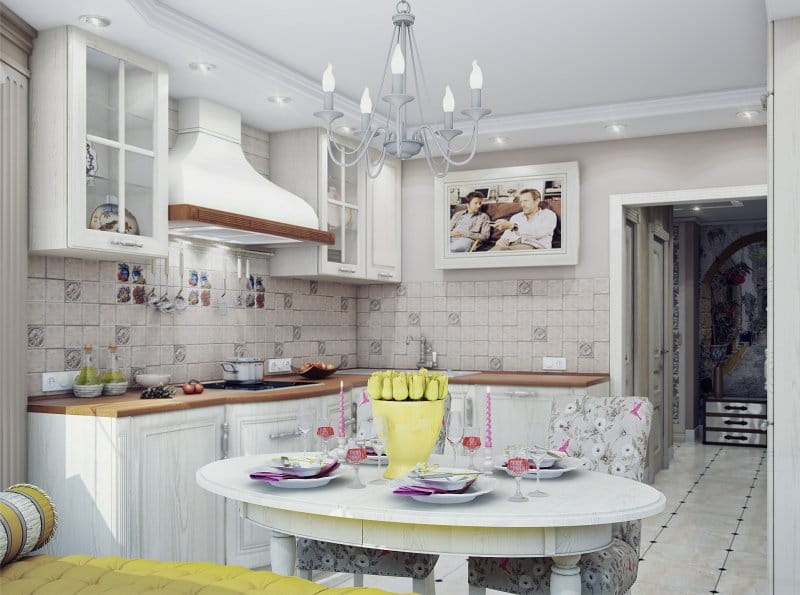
475,83
488,442
366,109
328,86
449,106
398,69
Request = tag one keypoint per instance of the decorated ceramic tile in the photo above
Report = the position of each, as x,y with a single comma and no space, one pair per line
585,349
250,300
193,278
72,359
321,348
313,287
297,333
260,300
123,272
454,319
540,333
124,294
137,276
72,291
375,304
205,297
413,319
179,354
375,347
194,297
36,336
123,335
287,301
277,351
139,294
204,282
496,363
344,304
401,290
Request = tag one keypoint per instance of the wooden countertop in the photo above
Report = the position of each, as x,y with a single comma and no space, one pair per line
130,403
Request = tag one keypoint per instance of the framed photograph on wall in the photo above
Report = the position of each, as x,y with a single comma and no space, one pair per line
508,217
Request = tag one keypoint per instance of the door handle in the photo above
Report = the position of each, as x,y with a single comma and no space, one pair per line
731,422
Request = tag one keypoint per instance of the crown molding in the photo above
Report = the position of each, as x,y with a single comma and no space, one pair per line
180,25
16,40
735,99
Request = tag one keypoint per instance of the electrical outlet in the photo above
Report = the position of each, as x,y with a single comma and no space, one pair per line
283,364
554,363
58,381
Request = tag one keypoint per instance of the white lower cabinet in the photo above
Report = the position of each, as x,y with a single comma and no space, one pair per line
520,414
125,486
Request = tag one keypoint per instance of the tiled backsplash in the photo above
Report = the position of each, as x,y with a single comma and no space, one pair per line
479,325
74,301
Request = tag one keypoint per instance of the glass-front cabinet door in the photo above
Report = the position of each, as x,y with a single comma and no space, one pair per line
121,201
98,147
344,197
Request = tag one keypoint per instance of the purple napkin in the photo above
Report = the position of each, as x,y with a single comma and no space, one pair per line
417,490
278,475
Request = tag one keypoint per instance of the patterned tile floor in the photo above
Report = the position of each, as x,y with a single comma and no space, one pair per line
711,538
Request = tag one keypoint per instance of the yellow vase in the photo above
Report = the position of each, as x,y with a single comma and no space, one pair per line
412,428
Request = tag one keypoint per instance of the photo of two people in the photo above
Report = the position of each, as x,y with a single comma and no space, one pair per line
519,216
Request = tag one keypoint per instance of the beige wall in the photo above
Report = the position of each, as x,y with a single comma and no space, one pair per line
721,158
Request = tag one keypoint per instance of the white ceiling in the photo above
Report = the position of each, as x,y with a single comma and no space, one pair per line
555,72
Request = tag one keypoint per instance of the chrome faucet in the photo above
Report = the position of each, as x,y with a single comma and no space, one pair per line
427,358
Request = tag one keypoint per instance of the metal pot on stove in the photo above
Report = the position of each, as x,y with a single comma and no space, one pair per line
243,370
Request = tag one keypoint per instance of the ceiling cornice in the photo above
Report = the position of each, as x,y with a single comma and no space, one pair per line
180,25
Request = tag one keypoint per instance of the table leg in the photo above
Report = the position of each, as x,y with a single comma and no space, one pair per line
282,553
565,575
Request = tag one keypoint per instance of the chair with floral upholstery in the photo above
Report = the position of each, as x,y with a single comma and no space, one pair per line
609,435
313,554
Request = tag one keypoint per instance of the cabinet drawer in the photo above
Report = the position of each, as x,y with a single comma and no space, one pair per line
736,408
736,423
736,437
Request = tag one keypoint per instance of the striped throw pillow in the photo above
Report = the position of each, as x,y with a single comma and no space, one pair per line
28,520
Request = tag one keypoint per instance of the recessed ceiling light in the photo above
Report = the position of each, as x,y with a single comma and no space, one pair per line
345,129
695,208
616,128
748,115
94,20
737,203
500,140
279,99
202,66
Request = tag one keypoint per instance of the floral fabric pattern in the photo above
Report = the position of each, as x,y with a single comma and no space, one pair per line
323,555
608,435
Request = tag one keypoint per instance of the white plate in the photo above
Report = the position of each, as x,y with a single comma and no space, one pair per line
557,470
373,460
305,483
445,478
482,485
310,465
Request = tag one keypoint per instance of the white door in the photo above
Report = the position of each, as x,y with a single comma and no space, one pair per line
659,387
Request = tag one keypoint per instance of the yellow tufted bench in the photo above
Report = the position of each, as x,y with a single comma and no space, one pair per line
49,575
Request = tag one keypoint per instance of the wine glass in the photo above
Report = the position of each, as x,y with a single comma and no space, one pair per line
455,431
538,455
471,442
306,419
378,439
325,433
517,464
355,454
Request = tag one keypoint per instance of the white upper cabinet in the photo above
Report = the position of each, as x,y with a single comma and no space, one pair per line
363,214
98,148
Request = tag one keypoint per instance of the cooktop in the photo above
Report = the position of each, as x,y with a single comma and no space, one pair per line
266,385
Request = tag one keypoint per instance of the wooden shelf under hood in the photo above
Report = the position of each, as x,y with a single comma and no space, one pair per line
195,214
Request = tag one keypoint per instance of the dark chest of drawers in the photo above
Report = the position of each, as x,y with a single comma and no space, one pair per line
741,422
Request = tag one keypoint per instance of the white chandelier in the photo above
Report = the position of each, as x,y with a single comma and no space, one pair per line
397,139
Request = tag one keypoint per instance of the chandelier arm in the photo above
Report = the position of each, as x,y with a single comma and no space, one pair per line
431,164
374,114
378,164
360,150
417,59
446,154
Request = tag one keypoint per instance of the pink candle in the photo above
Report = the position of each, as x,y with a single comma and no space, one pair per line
488,441
341,409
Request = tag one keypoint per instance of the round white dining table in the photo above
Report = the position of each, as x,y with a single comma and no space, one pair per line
575,519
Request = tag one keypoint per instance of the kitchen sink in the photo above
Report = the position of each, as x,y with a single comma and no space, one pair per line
368,371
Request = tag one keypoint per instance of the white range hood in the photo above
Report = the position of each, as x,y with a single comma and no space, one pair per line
214,193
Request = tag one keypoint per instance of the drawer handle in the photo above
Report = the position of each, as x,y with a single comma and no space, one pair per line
280,435
729,437
127,243
736,407
346,270
386,275
731,422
